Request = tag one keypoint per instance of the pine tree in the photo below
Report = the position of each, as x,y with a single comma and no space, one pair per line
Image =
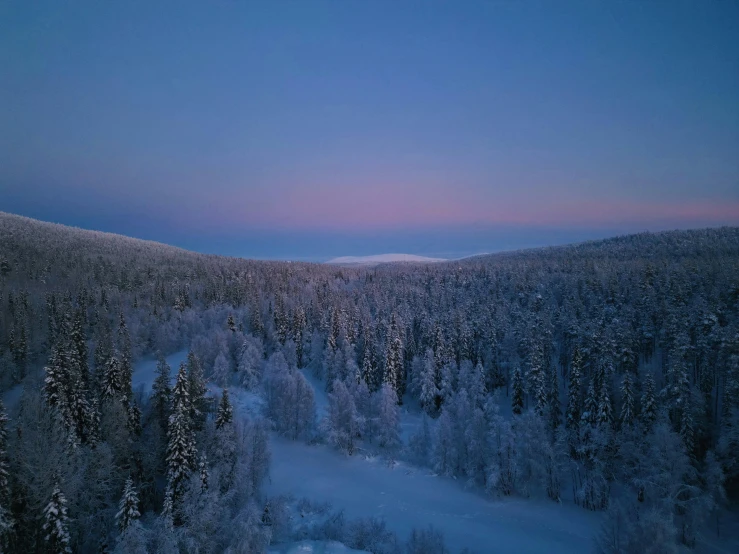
4,476
181,450
112,385
162,392
573,390
204,475
518,392
198,404
56,382
394,360
56,524
590,412
133,422
93,425
687,426
368,366
605,410
555,409
429,391
181,391
648,403
298,334
627,400
388,418
6,518
126,361
225,411
477,389
128,508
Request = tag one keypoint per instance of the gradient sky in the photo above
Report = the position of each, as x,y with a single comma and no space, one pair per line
307,130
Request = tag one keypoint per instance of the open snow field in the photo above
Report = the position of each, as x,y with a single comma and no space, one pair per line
407,497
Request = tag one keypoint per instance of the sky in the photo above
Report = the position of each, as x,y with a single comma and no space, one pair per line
310,129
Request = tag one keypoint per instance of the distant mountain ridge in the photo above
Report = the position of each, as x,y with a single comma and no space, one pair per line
383,259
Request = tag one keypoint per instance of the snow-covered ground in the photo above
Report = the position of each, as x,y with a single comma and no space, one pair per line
314,547
382,259
12,396
407,497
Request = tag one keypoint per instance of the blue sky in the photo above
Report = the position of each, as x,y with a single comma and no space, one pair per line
307,130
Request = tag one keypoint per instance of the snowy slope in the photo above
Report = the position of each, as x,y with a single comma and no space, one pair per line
314,547
382,259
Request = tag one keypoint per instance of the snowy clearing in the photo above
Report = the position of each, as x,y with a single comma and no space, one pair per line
314,547
407,497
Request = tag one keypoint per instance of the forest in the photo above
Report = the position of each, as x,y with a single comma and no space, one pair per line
603,374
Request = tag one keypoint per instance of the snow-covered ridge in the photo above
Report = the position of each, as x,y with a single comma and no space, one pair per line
383,259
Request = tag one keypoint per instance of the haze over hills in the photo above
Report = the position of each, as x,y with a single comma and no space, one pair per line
382,259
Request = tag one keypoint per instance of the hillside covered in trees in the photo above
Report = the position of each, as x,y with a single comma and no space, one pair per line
604,374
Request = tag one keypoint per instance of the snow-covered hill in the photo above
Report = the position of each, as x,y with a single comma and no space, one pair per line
382,259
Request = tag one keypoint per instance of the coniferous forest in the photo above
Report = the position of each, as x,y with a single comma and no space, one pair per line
603,374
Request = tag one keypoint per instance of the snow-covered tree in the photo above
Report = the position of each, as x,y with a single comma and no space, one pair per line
429,390
181,448
128,508
627,400
162,392
56,524
388,424
221,370
112,385
250,362
197,389
648,403
590,409
342,422
6,519
518,392
224,415
204,474
394,360
572,417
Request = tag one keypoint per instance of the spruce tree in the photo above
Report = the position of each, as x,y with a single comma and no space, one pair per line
605,409
128,508
56,381
204,475
573,390
197,389
590,412
133,421
162,392
518,392
56,524
368,369
112,385
627,400
555,409
394,360
649,403
126,360
6,518
181,450
388,418
225,411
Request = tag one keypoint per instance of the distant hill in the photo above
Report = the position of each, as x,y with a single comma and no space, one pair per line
383,259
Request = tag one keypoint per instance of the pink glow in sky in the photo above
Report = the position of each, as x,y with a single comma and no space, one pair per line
387,207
